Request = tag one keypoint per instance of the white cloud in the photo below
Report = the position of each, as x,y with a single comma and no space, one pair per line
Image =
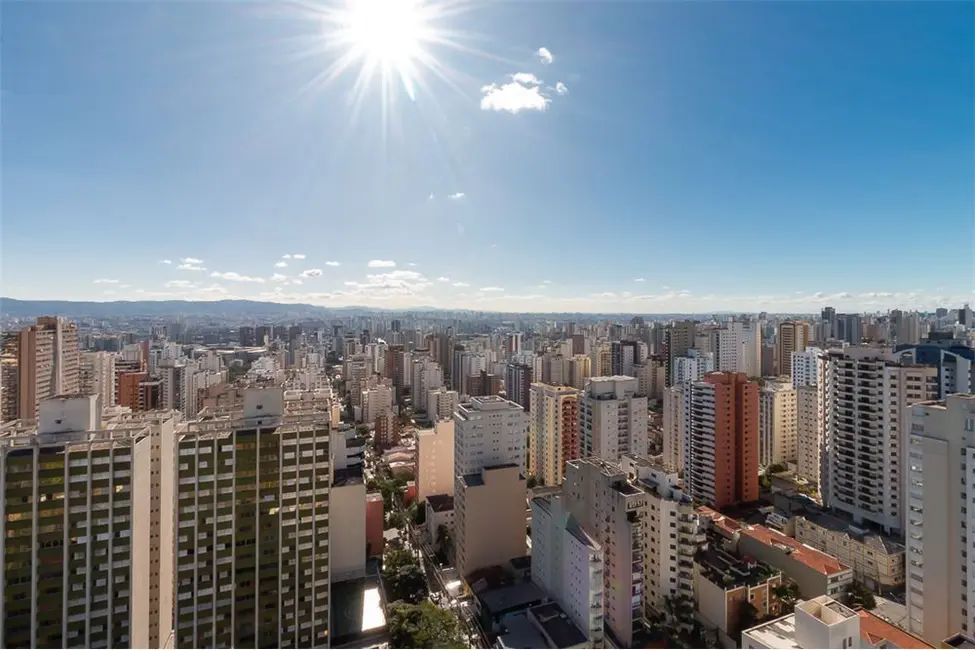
165,261
286,256
544,55
277,277
124,286
187,266
491,289
431,197
639,279
109,292
561,88
332,263
411,263
526,79
546,282
513,97
176,284
381,264
461,284
105,281
296,281
190,260
298,256
456,196
281,265
443,279
311,273
236,277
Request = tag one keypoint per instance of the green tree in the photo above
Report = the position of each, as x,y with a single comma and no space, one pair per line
788,595
859,596
418,512
404,577
395,519
424,626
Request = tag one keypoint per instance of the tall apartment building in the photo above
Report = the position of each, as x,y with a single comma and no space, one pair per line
940,518
678,339
517,384
869,395
76,520
793,336
252,548
808,367
693,366
9,379
97,376
375,401
553,434
613,418
441,403
676,408
625,355
721,439
809,379
435,460
580,370
738,348
567,563
489,492
651,377
47,362
777,422
648,532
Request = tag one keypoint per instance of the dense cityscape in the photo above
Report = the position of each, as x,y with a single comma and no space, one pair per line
405,479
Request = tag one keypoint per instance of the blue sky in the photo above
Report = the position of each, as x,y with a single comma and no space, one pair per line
652,157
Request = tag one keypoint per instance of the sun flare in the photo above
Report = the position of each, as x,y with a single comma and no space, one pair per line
388,37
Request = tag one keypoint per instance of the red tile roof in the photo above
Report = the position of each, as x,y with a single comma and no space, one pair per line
821,562
874,629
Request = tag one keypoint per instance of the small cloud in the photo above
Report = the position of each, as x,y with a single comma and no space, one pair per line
639,279
277,277
333,264
124,286
165,261
381,264
298,256
286,256
513,97
443,279
491,289
431,197
460,284
456,196
544,55
110,292
176,284
190,260
296,281
411,263
311,273
546,282
561,88
187,266
281,265
236,277
105,281
526,79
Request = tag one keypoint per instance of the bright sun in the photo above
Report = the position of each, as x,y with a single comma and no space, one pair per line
385,36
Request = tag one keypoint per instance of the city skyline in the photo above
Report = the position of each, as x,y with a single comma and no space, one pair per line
542,157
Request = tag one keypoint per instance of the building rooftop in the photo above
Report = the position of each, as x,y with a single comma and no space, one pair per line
875,630
872,539
958,641
440,502
817,560
511,597
347,476
778,633
557,626
724,569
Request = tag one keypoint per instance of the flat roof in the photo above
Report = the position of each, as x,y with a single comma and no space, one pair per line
557,625
356,607
348,476
511,597
779,633
440,502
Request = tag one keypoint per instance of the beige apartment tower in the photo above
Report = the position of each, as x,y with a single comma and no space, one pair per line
793,337
553,433
48,363
252,547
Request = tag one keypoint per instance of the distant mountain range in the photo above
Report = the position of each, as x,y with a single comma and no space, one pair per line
231,309
12,308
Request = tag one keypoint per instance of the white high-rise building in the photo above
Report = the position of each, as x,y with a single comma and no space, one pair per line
489,431
375,401
809,367
441,403
869,394
776,423
809,379
693,366
613,418
568,564
940,518
738,348
427,376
